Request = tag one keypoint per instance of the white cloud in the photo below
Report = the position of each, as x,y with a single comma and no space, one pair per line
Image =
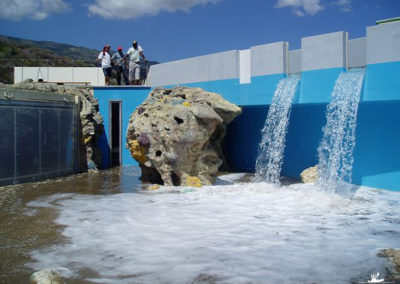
129,9
301,7
32,9
344,5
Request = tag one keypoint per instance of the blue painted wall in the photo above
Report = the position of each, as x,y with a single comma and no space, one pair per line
377,152
130,97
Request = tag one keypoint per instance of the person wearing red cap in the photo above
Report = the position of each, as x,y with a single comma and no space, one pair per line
119,62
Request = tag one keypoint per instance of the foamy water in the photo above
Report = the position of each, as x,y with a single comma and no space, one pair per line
232,233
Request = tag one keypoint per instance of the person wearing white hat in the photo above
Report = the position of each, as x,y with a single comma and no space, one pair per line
135,53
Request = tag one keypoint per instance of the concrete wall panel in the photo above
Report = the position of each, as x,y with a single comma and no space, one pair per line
383,43
217,66
60,74
294,61
268,59
87,74
34,73
357,52
324,51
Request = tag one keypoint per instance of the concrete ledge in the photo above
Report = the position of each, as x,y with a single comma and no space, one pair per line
34,96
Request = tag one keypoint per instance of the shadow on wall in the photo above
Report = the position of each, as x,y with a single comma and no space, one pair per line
377,143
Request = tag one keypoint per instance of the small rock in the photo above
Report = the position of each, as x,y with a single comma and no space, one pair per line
309,175
193,181
45,276
153,187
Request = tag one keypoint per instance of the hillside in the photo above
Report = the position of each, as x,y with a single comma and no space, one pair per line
22,52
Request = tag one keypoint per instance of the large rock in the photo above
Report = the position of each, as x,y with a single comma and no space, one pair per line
176,135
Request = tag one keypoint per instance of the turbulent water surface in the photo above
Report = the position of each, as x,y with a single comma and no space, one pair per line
103,228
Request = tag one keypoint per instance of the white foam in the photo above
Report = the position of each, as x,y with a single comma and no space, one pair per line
240,233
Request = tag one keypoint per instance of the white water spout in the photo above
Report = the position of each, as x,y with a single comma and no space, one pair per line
271,148
335,151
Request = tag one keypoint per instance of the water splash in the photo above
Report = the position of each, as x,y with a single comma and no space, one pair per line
335,151
270,151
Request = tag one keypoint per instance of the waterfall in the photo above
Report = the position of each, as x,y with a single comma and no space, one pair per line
272,145
335,151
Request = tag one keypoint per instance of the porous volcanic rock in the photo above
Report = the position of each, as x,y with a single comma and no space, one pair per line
393,270
91,121
176,135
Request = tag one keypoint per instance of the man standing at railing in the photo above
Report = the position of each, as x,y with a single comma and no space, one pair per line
120,66
135,53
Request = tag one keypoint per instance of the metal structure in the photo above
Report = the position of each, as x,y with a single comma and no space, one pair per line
39,136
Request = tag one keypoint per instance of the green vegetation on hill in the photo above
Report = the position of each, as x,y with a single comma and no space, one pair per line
22,52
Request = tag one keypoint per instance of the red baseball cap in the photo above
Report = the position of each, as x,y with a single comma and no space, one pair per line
119,48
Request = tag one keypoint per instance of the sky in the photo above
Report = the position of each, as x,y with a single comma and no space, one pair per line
176,29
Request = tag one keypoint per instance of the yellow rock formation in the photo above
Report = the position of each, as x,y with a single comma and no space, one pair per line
138,152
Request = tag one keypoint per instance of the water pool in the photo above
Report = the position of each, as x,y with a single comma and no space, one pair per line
234,232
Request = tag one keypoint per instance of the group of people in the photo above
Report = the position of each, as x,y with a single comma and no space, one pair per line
119,61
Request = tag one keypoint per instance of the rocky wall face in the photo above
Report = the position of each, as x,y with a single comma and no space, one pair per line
176,135
90,124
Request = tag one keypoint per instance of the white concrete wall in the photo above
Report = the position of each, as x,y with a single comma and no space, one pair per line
357,52
383,43
93,75
268,59
294,61
217,66
245,66
324,51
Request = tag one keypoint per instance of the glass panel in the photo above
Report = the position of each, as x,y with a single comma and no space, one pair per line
6,143
67,140
27,141
49,140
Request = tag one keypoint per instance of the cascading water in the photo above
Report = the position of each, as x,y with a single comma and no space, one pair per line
335,151
270,151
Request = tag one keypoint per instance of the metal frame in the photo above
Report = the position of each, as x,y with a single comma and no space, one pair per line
40,106
110,118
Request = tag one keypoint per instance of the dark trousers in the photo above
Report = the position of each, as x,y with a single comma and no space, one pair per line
121,75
